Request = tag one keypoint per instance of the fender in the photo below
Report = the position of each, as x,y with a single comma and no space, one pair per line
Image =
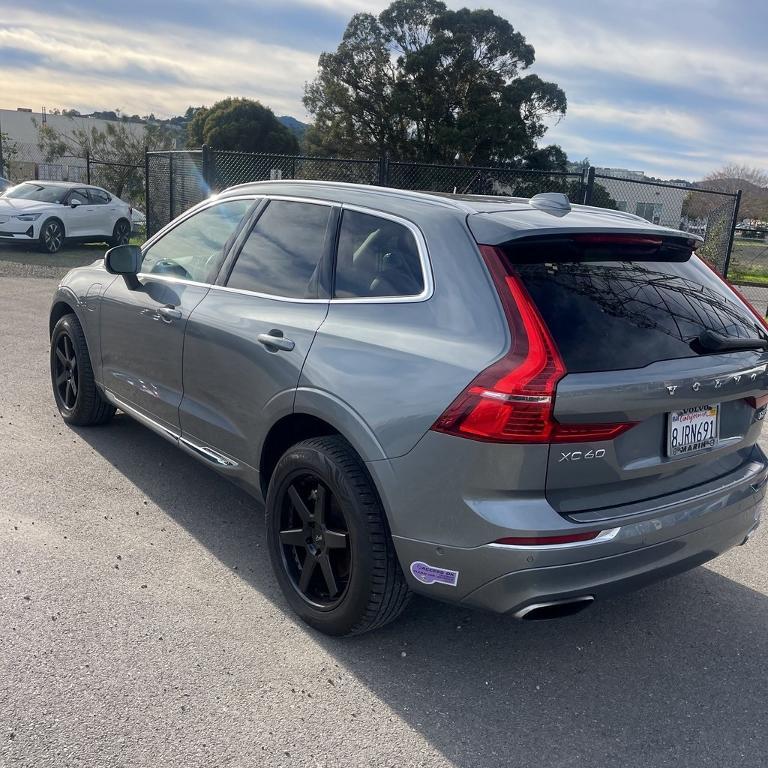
330,408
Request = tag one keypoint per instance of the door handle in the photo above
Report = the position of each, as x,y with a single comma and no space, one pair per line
274,340
168,314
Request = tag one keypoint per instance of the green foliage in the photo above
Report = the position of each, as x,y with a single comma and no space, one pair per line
423,82
117,149
240,124
10,150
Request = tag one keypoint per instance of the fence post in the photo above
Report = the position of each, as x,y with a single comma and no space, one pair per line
207,167
383,174
734,222
146,190
590,186
170,187
87,167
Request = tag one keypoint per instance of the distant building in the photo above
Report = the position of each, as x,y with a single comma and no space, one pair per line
22,156
661,205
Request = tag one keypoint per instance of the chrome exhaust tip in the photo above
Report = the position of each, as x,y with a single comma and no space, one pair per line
554,609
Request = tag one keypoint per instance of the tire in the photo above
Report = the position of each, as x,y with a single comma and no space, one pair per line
51,236
370,587
121,234
79,401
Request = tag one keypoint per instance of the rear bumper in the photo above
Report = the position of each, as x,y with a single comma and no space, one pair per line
605,576
508,579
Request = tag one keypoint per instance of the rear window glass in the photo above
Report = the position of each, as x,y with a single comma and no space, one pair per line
376,257
612,315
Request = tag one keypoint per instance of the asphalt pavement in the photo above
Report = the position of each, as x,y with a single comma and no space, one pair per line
140,625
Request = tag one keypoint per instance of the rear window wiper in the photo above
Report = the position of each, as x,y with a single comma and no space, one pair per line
711,341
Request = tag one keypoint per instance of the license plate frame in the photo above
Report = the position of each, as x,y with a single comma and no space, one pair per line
696,437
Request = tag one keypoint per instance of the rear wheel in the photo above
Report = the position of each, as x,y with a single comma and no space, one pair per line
329,541
78,400
121,234
51,236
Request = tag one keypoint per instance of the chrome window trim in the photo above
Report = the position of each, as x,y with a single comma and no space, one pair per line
421,245
424,259
274,297
171,279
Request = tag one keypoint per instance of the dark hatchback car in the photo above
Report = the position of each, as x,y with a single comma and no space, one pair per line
519,405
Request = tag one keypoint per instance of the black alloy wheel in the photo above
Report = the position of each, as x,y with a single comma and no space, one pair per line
121,233
329,540
315,541
74,388
66,371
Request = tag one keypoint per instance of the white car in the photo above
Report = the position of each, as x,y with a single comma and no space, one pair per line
50,212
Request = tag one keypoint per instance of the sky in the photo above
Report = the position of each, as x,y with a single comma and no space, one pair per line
677,88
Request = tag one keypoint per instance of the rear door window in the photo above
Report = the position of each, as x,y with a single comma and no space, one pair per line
613,314
99,197
376,257
283,253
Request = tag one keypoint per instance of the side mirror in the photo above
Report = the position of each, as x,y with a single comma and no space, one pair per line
124,260
74,203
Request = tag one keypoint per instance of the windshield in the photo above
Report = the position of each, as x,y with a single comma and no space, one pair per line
44,194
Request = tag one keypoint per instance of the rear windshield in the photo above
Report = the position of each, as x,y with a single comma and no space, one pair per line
612,315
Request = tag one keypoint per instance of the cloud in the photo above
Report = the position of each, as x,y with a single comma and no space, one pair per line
160,70
672,88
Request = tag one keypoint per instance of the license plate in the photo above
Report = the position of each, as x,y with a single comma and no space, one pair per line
692,429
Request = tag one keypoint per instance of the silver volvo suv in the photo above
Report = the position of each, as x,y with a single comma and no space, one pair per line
518,405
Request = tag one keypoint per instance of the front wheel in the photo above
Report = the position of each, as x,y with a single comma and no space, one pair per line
77,398
329,541
121,234
51,236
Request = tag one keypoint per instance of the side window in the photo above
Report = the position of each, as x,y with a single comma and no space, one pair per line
282,255
99,197
376,257
81,195
194,249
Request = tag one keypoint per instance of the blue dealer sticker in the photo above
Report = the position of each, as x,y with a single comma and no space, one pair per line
428,574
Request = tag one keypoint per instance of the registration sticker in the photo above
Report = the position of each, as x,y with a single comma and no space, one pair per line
429,574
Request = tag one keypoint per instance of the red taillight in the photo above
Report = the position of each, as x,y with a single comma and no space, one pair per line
542,541
512,400
758,402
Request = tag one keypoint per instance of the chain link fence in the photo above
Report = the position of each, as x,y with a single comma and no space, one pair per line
482,180
712,215
176,180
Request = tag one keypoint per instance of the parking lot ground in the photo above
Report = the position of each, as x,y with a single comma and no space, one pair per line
26,261
140,625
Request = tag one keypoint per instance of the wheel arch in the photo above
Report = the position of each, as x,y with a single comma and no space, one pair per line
284,433
316,414
55,218
61,307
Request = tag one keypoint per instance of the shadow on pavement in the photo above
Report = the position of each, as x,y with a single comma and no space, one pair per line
672,675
